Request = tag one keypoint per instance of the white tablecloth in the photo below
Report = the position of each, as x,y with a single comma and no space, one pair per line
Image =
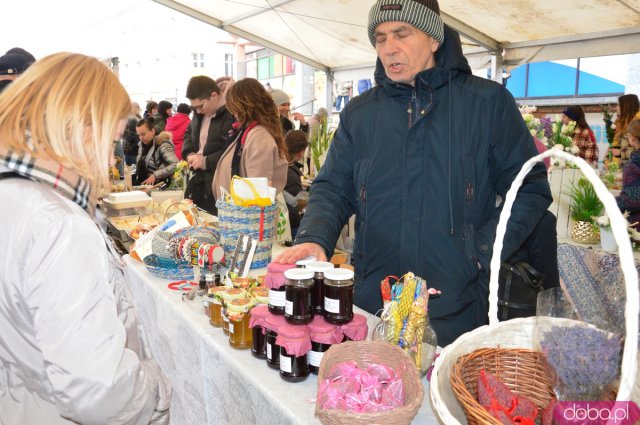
214,383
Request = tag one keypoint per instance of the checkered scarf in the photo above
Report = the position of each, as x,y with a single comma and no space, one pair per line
51,173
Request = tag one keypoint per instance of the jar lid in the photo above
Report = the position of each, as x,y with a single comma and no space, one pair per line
290,331
232,293
339,274
278,267
319,325
273,322
319,266
216,290
260,311
260,294
303,262
238,305
298,274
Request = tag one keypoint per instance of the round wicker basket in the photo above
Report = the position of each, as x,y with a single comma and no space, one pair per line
365,353
525,372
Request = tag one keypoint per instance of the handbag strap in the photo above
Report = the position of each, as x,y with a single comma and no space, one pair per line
530,276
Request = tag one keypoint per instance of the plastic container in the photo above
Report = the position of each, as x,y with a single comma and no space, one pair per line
317,292
338,296
294,343
297,306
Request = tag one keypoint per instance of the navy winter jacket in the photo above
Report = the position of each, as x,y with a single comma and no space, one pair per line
421,166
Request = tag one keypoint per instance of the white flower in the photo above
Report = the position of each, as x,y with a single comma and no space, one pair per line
533,132
544,140
574,149
558,147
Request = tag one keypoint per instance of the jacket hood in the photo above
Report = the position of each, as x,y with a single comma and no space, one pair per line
162,137
449,61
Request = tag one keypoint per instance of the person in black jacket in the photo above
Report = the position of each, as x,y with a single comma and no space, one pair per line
296,142
422,186
130,137
283,103
205,138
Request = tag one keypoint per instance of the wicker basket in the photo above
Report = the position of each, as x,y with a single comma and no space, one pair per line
518,333
525,372
365,353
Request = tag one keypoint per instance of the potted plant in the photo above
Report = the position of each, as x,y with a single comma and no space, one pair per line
585,205
319,141
607,240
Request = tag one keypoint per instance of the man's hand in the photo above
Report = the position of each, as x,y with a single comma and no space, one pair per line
299,117
298,252
150,180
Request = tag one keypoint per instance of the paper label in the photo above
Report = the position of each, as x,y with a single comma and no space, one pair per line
288,308
277,298
269,351
285,363
314,358
331,305
230,327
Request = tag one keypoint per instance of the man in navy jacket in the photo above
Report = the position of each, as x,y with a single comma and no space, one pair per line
421,159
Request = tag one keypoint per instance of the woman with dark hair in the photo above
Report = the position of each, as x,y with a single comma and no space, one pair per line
629,198
150,109
258,148
627,108
157,158
583,136
165,110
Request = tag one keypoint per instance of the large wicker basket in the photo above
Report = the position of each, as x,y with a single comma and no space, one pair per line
365,353
518,333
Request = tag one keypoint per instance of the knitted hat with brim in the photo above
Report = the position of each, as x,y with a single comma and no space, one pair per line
422,14
279,97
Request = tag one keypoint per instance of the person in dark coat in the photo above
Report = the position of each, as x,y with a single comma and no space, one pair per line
206,138
296,143
420,159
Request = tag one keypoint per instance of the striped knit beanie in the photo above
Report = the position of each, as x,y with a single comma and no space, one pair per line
422,14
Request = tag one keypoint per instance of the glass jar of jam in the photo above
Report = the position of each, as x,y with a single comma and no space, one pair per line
338,296
297,306
274,280
215,305
294,344
227,295
356,329
272,323
323,335
239,331
256,323
317,297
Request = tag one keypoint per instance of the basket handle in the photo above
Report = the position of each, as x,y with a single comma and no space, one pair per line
619,230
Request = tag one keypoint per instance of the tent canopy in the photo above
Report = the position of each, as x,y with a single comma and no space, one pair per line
331,35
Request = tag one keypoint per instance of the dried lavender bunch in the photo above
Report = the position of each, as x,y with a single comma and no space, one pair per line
585,359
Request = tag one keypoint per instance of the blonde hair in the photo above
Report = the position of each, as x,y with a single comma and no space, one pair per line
71,105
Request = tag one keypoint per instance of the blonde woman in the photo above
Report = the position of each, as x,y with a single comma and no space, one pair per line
66,355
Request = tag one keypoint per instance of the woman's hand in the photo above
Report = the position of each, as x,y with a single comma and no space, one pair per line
150,180
298,252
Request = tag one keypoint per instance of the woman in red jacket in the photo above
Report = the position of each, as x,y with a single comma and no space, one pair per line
177,125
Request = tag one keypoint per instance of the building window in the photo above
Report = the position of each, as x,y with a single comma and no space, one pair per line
228,64
198,60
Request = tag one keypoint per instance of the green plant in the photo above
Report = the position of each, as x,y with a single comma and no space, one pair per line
320,140
609,177
585,203
607,117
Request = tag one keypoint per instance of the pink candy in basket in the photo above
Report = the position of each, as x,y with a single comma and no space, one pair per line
374,389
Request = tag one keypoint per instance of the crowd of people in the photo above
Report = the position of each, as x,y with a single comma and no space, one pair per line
423,189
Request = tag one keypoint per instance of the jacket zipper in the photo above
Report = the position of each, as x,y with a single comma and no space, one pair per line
410,107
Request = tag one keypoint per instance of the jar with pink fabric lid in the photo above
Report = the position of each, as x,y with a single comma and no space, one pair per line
323,335
294,343
357,329
272,323
256,323
274,280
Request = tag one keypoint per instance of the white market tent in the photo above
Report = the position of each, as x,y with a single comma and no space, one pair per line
331,34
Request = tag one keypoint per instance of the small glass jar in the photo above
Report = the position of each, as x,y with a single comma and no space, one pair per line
323,335
277,299
215,305
297,306
208,284
227,295
272,323
294,344
256,321
239,331
338,296
317,294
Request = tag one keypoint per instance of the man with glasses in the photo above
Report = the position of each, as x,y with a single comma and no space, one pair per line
204,140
